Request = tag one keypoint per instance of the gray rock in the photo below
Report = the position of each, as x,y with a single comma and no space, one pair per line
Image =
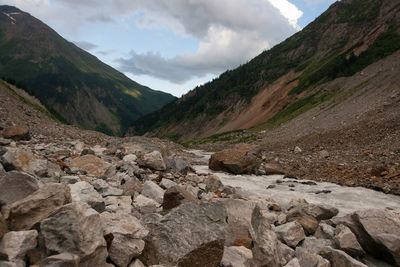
309,223
339,258
70,179
319,212
325,231
127,234
145,205
137,263
192,234
153,191
266,244
76,228
237,257
23,160
85,192
16,244
111,191
2,170
178,164
15,186
290,233
61,260
27,212
131,159
213,183
167,184
176,196
313,245
17,133
15,263
154,160
347,241
286,253
308,259
118,204
293,263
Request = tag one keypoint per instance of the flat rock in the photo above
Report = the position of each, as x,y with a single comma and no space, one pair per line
118,204
61,260
153,191
15,186
70,179
85,192
16,244
167,183
238,160
76,228
290,233
192,234
23,160
237,257
27,212
145,205
17,133
175,196
91,164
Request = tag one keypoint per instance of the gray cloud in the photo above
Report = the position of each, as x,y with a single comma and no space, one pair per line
101,18
86,45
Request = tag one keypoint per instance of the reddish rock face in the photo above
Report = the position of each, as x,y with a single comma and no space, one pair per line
238,160
92,164
17,133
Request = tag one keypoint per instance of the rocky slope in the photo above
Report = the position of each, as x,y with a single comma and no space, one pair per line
293,77
72,83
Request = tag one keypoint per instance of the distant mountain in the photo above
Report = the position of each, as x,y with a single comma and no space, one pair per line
72,83
287,80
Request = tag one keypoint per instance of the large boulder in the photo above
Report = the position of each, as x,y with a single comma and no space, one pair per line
213,183
91,164
23,160
176,196
238,160
178,164
61,260
309,223
17,133
126,235
76,228
192,234
347,241
237,257
16,244
85,192
153,191
27,212
153,160
339,258
15,186
290,233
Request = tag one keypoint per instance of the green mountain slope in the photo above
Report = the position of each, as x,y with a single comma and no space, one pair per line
345,39
69,81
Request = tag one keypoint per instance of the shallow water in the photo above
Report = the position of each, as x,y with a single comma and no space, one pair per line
346,199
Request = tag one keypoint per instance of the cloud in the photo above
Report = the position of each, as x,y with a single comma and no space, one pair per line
86,45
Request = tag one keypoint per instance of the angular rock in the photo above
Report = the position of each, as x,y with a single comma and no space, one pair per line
70,179
3,226
17,133
16,244
308,222
27,212
313,245
236,257
176,196
91,164
239,160
111,191
145,205
308,259
118,204
85,192
2,170
272,168
319,212
61,260
153,191
127,234
131,159
132,186
243,241
15,186
137,263
347,241
167,184
23,160
76,228
213,183
293,263
266,244
339,258
154,160
178,164
290,233
286,253
325,231
192,234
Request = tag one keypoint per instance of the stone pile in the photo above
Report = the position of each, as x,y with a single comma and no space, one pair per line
128,204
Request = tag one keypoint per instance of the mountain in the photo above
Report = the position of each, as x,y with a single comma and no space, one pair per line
73,84
288,80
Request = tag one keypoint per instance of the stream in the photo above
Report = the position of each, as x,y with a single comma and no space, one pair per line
345,199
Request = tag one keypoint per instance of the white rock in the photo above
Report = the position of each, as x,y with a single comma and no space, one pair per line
290,233
84,192
237,257
153,191
131,158
145,205
167,184
16,244
154,160
118,204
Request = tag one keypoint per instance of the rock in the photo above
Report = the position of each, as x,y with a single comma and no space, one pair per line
111,191
27,212
154,160
137,263
307,259
145,205
132,186
213,183
266,244
153,191
324,154
176,196
70,179
378,233
272,169
293,263
243,241
23,160
127,233
297,149
75,228
319,212
15,186
118,204
339,258
61,260
167,184
239,160
192,234
17,133
91,164
85,192
290,233
236,257
325,231
178,164
313,245
3,226
131,159
347,241
2,170
285,253
308,222
16,244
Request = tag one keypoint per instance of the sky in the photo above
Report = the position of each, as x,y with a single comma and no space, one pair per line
174,45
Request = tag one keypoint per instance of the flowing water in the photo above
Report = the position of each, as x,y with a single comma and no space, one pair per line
346,199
